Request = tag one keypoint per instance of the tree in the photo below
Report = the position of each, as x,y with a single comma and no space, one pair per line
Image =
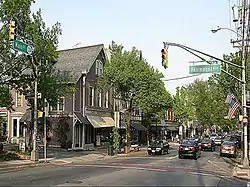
18,70
133,81
183,106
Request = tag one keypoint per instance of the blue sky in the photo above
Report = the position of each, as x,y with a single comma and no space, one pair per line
144,24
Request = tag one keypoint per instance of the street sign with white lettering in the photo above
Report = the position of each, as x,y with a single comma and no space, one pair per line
21,46
213,68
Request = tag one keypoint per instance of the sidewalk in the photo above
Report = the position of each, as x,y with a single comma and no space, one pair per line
240,172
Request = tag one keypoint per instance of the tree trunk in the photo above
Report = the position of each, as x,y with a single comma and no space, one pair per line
128,131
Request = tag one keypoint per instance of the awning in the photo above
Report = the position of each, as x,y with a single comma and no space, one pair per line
81,118
138,126
27,117
172,128
101,122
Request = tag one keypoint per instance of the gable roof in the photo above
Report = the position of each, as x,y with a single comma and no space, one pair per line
78,60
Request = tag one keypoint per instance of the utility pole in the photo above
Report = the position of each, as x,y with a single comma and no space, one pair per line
45,131
34,152
244,38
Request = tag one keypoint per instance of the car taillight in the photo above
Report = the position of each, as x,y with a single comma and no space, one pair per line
180,148
209,144
233,148
192,148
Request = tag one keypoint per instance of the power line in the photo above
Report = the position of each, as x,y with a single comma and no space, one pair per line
178,78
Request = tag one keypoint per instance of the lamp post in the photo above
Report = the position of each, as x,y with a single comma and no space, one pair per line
243,79
224,28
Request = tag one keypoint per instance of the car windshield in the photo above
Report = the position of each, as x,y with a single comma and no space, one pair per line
206,141
157,143
228,143
217,138
188,142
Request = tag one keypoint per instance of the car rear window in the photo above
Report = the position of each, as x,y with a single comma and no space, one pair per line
227,143
206,141
189,142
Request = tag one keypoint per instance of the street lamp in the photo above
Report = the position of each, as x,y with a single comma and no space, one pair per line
224,28
243,36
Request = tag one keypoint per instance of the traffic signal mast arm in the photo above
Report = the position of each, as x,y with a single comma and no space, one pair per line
190,50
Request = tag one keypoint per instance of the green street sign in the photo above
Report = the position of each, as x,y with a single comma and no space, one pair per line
21,46
213,68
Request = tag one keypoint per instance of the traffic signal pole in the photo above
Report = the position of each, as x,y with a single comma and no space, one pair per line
24,49
244,56
34,152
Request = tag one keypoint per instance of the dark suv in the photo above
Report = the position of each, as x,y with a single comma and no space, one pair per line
189,148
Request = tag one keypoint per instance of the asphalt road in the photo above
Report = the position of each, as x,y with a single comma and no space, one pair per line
163,170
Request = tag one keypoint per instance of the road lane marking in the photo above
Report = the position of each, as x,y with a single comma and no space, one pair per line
166,169
218,166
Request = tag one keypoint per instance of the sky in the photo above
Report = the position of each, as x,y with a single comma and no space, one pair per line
146,25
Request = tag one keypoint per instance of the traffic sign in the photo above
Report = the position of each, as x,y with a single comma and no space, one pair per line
22,47
213,68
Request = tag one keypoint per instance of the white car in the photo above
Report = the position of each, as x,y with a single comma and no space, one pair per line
217,141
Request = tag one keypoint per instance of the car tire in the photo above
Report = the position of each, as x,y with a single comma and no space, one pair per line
180,157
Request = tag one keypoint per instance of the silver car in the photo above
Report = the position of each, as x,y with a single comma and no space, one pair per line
228,148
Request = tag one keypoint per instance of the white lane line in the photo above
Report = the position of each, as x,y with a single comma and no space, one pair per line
221,168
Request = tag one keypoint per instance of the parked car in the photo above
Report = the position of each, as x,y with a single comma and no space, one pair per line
207,144
228,148
189,148
213,136
217,140
158,147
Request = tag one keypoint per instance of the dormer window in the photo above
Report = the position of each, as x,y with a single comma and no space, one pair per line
99,67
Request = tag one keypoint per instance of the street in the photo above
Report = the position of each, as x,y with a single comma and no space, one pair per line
164,170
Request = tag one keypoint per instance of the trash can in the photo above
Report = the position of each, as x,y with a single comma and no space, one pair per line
110,150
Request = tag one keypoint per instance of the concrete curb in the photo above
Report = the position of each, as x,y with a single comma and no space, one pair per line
14,167
241,173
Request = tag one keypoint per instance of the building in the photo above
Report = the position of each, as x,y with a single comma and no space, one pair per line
12,126
165,126
138,130
90,111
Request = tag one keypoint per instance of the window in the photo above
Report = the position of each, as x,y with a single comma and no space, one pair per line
107,99
61,102
14,127
4,129
100,99
18,99
54,108
21,129
98,67
91,96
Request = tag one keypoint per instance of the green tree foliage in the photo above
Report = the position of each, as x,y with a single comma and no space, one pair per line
183,104
17,69
134,81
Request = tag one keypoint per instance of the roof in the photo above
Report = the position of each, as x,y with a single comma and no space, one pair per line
78,60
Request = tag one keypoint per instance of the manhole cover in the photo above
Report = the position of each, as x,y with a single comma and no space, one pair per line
74,182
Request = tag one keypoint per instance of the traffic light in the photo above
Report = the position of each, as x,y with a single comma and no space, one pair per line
164,56
12,35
